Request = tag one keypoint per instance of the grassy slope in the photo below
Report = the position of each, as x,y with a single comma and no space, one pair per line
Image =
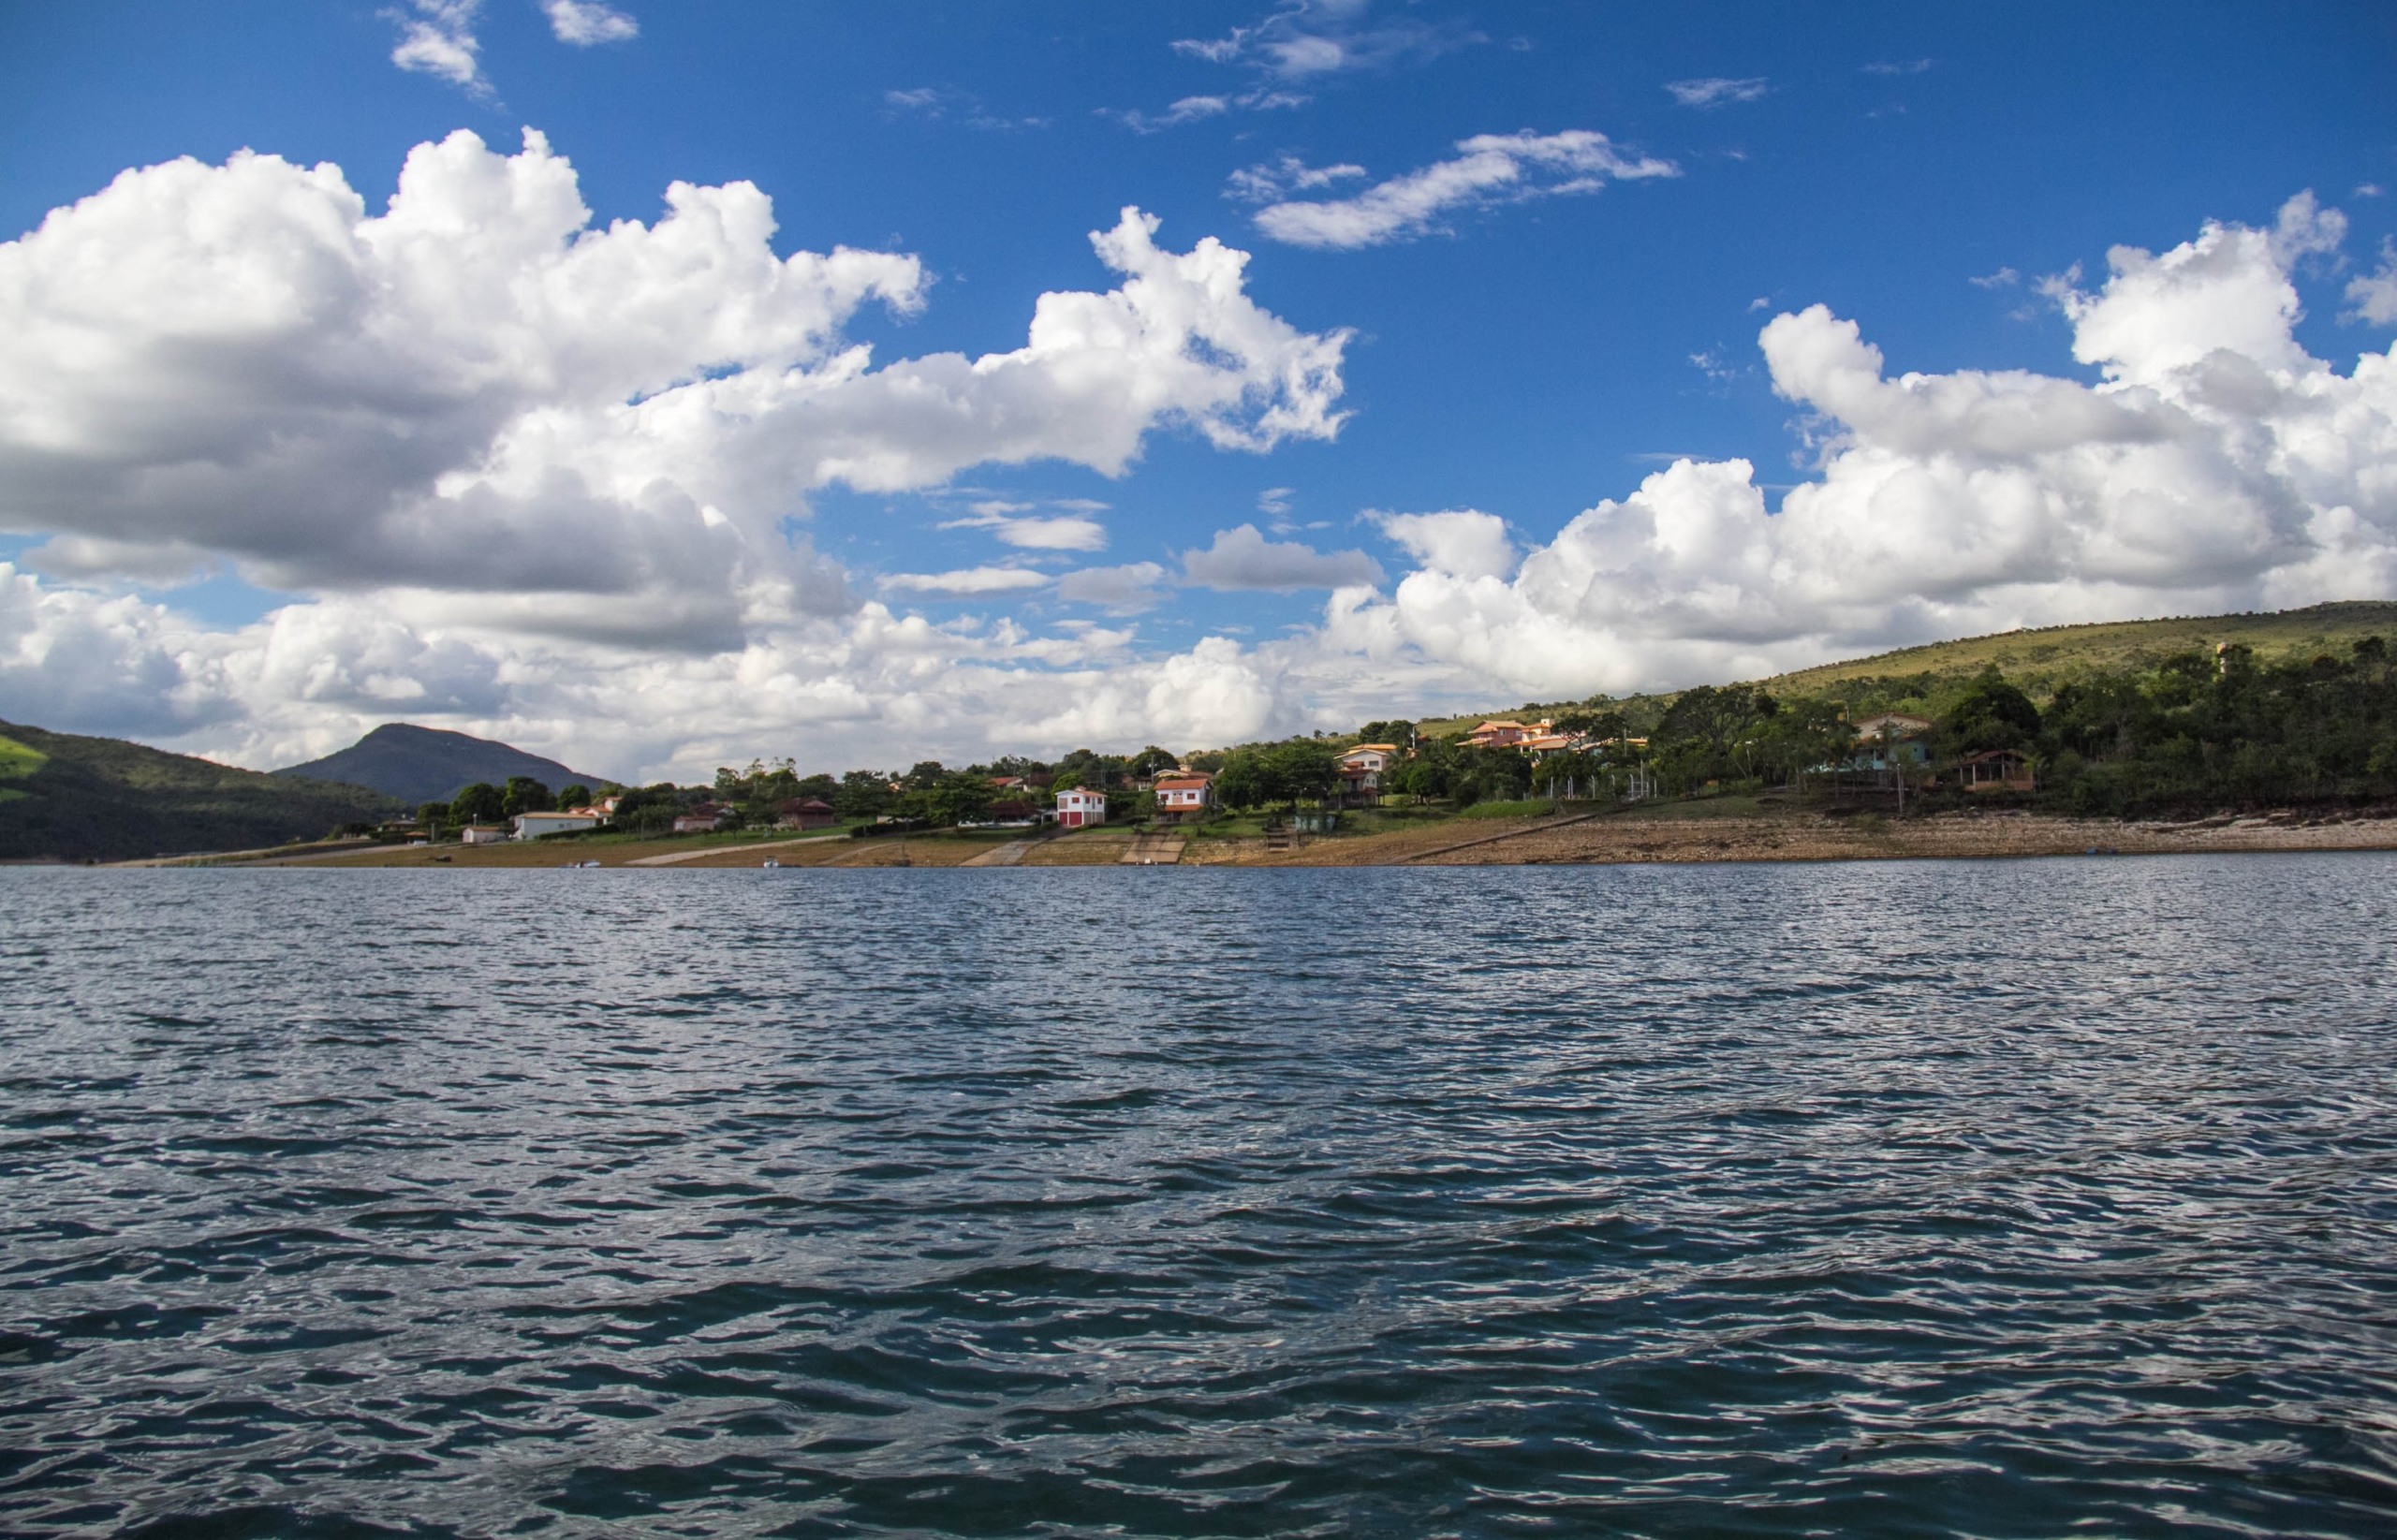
106,800
2040,660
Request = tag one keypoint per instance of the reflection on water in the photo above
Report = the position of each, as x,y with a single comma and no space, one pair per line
1915,1197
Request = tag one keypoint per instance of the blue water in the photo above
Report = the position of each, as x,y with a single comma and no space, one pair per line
1990,1198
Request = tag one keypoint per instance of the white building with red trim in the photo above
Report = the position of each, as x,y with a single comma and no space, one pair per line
1078,807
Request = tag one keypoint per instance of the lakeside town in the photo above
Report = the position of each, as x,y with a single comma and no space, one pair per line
2211,749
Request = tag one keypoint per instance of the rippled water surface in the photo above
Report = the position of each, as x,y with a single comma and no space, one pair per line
2002,1200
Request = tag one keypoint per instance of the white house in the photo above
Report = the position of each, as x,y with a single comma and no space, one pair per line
1078,807
1375,757
483,834
1183,794
532,826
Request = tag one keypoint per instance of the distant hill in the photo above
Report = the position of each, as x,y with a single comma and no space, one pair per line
2041,659
427,765
100,799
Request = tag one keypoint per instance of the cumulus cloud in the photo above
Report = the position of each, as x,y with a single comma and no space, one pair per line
586,23
1489,169
1243,558
1465,542
1715,91
2218,467
877,688
474,391
2374,294
437,38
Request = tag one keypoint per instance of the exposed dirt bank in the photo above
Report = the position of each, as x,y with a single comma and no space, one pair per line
1808,837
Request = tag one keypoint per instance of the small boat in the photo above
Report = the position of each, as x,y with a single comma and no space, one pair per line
771,864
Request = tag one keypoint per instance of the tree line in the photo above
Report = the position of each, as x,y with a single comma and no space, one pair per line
2174,733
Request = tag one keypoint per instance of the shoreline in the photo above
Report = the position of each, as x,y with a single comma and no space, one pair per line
1688,833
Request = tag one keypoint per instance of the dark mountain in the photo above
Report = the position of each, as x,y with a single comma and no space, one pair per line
427,765
66,798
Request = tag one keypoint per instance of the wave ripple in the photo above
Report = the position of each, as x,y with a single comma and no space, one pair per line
1935,1199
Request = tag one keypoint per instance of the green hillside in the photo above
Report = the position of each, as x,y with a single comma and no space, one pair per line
66,798
2040,660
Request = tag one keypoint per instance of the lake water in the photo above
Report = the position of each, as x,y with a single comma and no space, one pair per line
1991,1199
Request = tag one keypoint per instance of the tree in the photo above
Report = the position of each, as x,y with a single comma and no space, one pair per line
1151,761
476,804
1395,731
862,794
1989,714
1603,724
646,809
431,818
1424,777
1299,770
1241,782
575,795
524,795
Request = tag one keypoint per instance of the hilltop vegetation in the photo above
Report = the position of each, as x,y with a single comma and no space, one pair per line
2038,661
68,797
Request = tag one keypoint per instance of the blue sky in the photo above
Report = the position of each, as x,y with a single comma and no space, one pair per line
1949,181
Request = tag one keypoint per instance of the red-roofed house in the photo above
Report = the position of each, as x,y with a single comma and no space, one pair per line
805,813
1183,794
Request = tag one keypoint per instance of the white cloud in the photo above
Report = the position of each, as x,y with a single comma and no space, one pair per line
1465,542
972,579
937,103
1055,532
1269,181
587,22
1490,169
1188,110
1714,91
1318,38
875,689
1126,589
1900,66
2374,294
2217,468
437,38
476,393
1243,559
2002,278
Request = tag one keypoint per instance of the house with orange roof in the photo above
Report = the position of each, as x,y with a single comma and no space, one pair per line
1508,735
1183,794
